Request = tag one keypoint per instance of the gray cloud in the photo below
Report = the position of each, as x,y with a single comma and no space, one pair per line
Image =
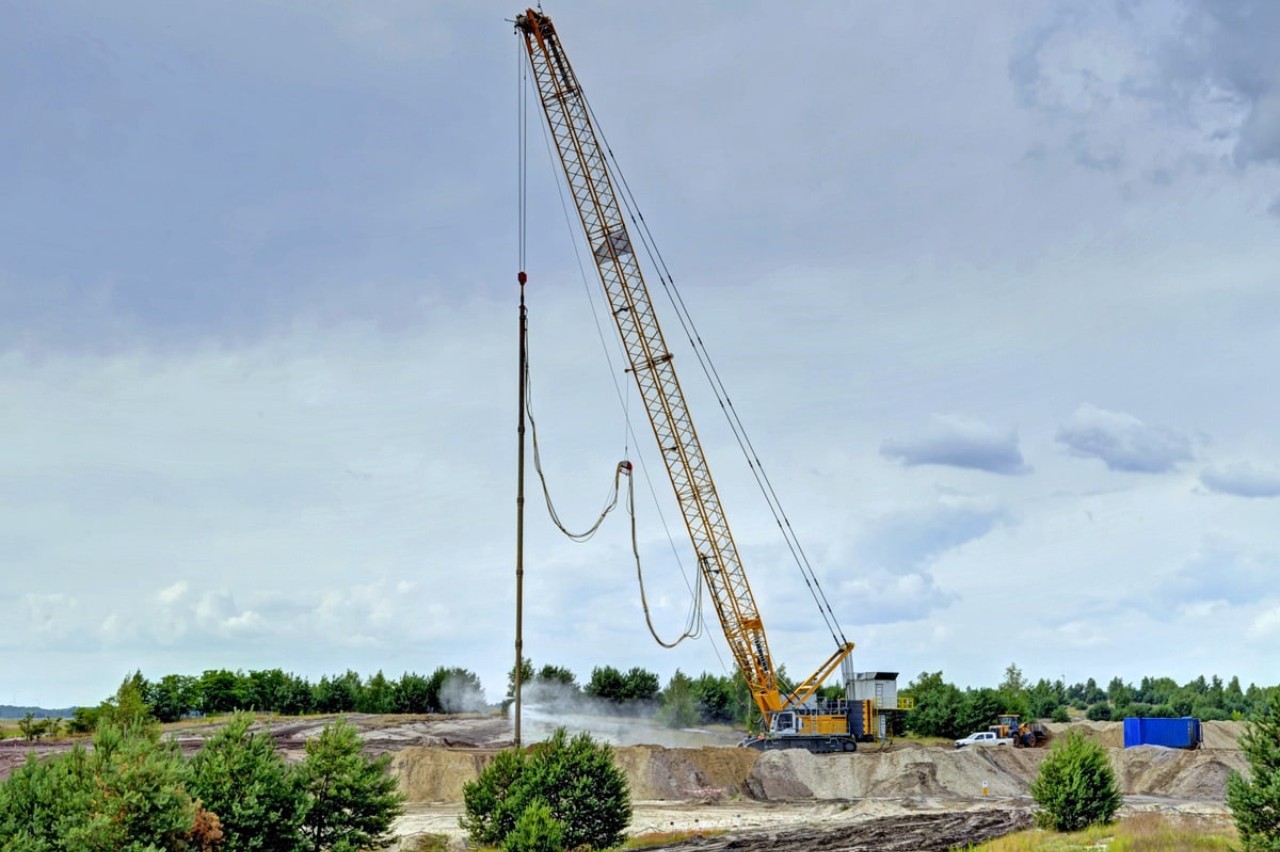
1228,48
1204,68
1242,480
1123,442
959,442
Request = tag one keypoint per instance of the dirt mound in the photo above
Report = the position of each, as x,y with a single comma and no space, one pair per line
655,772
436,774
1178,774
1221,735
796,774
934,831
1106,734
1216,735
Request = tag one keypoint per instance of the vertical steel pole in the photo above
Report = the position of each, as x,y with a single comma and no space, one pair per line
524,377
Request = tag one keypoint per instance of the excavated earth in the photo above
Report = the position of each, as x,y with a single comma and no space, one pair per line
904,796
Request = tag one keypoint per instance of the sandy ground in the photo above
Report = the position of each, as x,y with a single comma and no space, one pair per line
698,780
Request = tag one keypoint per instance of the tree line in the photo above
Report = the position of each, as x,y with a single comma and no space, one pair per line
945,710
941,707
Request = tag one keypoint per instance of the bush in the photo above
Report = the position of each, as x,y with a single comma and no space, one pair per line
1076,787
1255,803
575,780
1060,714
1100,712
536,831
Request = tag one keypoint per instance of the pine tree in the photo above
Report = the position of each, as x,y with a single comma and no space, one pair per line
1076,787
1255,802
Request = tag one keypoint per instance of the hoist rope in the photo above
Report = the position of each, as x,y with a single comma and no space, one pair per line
722,397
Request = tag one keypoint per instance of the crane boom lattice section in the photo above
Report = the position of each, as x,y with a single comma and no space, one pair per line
650,362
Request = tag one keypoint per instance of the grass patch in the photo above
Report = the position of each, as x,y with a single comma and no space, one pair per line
666,838
1149,832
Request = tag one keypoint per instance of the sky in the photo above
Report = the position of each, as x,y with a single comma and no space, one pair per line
992,286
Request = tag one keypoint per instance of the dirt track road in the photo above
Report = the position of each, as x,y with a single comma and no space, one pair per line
924,832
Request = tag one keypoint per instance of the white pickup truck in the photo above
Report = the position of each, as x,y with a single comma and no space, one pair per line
983,738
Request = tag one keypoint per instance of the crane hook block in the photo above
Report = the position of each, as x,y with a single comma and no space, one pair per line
522,278
625,465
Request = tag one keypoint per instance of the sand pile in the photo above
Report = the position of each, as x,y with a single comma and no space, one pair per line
1221,735
1157,771
1106,734
436,774
656,773
795,774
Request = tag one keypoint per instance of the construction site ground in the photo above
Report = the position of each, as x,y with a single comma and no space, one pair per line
903,796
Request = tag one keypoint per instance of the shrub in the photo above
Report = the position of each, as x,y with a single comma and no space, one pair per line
536,831
1255,803
1060,714
576,780
1076,787
1100,712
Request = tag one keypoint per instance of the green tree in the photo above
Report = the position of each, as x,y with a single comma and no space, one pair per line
30,727
576,780
679,704
1255,801
127,794
715,698
216,691
1013,682
378,695
607,683
537,830
173,697
558,675
239,776
128,707
1100,712
526,677
351,800
939,707
412,694
1076,787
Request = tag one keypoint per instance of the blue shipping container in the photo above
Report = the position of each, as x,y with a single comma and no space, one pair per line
1171,733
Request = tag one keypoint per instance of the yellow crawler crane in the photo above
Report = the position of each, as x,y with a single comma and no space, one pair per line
792,719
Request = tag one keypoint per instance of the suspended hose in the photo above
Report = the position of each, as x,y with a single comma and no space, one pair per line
693,625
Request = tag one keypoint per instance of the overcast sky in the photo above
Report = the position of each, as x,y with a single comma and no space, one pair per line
993,286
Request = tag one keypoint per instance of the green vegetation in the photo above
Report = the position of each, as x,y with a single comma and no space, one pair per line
569,787
350,801
942,709
135,791
1255,801
1076,787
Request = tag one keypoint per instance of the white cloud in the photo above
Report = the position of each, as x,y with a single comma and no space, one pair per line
1123,442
